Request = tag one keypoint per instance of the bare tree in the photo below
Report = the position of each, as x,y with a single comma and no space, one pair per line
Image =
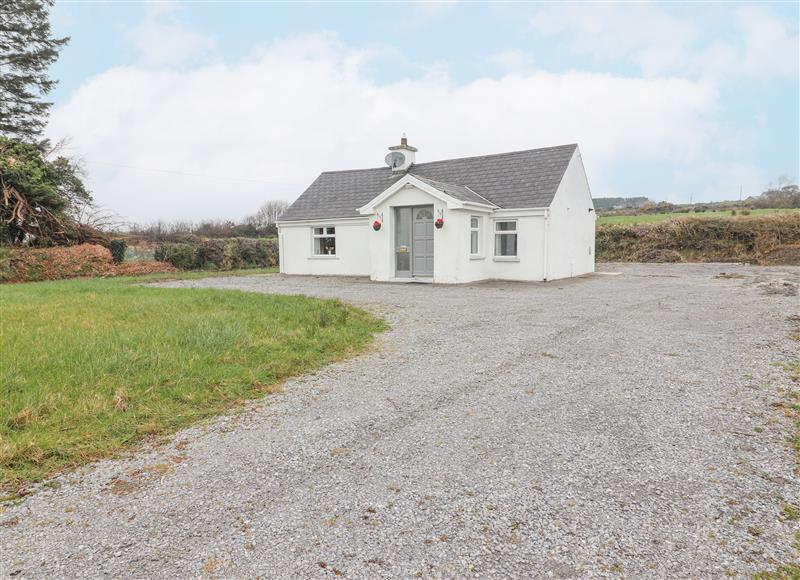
267,214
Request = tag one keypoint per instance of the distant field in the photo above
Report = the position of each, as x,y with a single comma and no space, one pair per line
659,217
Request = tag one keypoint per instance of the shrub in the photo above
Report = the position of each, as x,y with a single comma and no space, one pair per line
117,248
181,256
227,254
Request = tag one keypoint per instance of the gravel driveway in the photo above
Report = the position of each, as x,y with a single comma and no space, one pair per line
603,426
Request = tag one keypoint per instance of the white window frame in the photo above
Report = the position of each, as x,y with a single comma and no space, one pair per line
325,234
514,232
477,231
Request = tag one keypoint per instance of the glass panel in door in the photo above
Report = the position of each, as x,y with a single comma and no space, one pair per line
402,242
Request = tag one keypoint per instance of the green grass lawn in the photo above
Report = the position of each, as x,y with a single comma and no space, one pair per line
92,366
658,217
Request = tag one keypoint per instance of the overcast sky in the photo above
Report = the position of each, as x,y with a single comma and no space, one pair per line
199,110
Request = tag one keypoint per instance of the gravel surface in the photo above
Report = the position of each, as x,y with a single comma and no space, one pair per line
603,426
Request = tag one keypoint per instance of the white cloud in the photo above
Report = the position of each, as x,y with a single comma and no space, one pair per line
162,40
304,105
642,33
651,37
721,180
770,49
511,61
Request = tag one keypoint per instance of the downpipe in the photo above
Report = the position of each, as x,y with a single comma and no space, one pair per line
546,261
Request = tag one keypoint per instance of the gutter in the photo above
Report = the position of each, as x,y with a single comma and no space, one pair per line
321,220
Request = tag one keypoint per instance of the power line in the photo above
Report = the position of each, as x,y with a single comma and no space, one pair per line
158,170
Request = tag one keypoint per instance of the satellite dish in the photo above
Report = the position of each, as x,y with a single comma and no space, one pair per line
395,159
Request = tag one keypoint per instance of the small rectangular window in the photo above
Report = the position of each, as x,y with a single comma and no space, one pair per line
324,241
505,238
474,235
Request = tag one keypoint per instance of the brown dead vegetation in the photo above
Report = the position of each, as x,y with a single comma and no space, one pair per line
767,239
84,260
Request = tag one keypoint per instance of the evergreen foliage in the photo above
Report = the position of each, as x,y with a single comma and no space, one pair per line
39,198
27,49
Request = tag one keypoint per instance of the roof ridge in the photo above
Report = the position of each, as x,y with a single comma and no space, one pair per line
354,170
487,156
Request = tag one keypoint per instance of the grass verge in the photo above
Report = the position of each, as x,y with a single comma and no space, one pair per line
93,366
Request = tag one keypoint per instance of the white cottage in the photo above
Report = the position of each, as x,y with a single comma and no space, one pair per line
526,215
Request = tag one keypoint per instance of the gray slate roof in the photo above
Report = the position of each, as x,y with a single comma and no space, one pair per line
508,180
460,192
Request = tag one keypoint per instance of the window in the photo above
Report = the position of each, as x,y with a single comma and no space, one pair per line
505,238
324,241
474,235
424,214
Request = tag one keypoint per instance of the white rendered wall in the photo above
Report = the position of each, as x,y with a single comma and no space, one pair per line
564,233
530,247
445,240
572,225
452,262
352,250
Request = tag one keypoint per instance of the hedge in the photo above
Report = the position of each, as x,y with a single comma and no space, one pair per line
767,239
220,254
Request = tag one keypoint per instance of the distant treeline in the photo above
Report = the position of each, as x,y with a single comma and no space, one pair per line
259,225
785,196
619,202
178,230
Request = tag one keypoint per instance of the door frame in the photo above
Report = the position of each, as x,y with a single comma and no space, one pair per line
411,275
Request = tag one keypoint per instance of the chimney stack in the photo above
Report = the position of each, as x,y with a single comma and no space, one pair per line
401,157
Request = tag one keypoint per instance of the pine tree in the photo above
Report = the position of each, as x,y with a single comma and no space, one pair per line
27,49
